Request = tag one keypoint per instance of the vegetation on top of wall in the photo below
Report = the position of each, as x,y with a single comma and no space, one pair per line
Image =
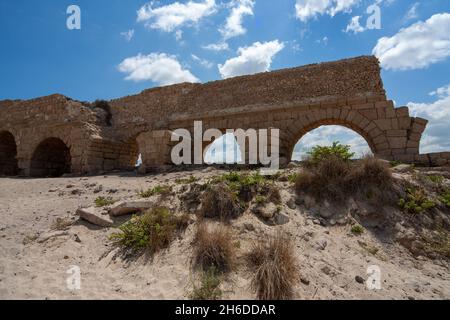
104,105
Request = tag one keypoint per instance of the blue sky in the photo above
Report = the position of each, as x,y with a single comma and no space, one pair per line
124,47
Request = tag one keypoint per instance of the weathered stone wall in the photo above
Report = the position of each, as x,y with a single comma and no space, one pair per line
348,93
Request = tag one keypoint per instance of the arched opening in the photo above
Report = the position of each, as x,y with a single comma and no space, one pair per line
8,155
51,159
223,150
325,136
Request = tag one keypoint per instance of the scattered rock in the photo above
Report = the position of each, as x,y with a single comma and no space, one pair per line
76,192
249,227
94,215
402,168
69,186
98,189
326,270
304,280
359,279
321,244
291,204
309,202
49,235
76,238
112,190
281,219
127,207
266,211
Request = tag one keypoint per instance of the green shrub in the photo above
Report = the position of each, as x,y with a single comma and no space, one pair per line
161,190
103,202
357,229
62,223
445,198
154,230
209,288
259,199
320,153
395,163
292,177
189,180
436,179
416,201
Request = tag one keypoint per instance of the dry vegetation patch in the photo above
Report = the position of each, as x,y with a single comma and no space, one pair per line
274,268
213,248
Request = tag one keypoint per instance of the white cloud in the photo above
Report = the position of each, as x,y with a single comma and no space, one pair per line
307,9
175,15
417,46
233,25
436,135
160,68
412,12
128,35
253,59
223,150
203,62
221,46
323,41
354,25
179,35
325,136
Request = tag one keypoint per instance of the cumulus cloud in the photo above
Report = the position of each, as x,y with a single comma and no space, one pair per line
354,25
307,9
253,59
233,26
220,46
160,68
325,136
223,150
418,46
436,136
172,16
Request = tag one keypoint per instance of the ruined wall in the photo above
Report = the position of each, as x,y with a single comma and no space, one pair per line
109,135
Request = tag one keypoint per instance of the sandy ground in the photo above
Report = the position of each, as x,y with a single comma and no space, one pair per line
330,258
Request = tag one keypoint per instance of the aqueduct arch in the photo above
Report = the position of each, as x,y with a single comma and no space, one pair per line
8,154
347,92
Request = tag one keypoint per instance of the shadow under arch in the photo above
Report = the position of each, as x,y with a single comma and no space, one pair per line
51,158
8,154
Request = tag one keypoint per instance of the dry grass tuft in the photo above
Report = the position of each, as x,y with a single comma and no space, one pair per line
214,248
334,178
275,268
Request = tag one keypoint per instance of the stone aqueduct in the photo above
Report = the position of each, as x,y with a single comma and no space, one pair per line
53,135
